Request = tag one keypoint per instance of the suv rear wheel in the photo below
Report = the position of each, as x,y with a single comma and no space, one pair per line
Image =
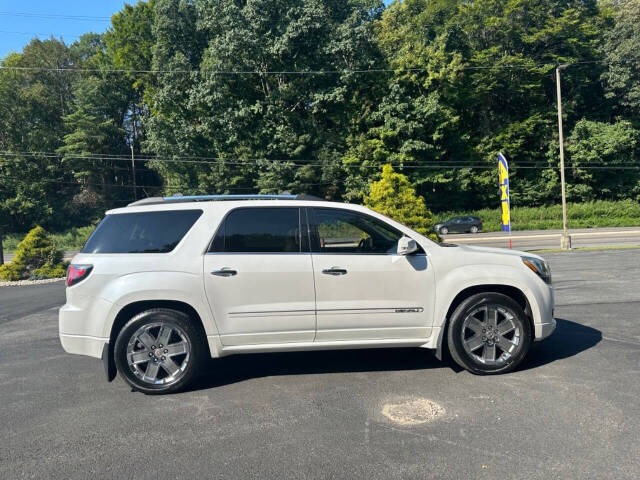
489,334
158,350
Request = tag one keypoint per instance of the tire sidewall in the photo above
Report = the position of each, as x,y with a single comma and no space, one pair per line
171,317
455,341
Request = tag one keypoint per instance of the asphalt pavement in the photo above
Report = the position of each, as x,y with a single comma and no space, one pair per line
571,411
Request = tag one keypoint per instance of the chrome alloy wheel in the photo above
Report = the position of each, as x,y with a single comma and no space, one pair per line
491,334
159,353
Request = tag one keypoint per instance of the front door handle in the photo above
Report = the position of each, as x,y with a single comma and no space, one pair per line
224,272
334,271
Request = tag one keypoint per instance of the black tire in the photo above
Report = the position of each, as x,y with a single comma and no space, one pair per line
181,325
472,362
444,230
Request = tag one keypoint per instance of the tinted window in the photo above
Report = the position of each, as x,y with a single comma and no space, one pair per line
143,232
265,230
343,231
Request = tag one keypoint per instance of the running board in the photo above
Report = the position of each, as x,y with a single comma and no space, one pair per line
330,345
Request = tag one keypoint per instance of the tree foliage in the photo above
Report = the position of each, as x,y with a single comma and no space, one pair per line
316,96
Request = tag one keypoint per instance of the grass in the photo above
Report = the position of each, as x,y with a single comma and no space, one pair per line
625,213
72,239
586,249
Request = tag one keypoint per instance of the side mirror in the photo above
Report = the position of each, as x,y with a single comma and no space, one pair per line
406,246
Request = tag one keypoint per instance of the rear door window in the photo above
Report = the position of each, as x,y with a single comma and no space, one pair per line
141,232
260,230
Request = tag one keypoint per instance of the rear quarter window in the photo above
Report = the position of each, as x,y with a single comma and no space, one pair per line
141,232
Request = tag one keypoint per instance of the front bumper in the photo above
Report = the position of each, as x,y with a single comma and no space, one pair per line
546,329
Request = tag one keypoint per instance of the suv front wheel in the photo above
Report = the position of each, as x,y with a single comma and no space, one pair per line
158,350
489,334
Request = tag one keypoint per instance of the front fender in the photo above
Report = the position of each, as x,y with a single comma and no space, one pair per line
453,282
463,277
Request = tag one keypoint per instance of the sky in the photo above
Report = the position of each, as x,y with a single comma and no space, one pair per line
22,20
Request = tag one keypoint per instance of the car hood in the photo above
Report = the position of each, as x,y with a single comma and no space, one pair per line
471,249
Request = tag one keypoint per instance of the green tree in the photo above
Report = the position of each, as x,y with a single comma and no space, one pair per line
236,119
491,63
594,144
34,186
394,197
622,54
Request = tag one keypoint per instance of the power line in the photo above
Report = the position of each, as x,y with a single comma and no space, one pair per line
298,162
448,164
41,34
436,166
163,187
55,16
288,72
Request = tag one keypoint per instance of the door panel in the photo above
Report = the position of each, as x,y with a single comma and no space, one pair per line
380,297
271,299
258,277
363,289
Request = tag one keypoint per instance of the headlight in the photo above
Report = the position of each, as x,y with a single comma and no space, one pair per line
539,267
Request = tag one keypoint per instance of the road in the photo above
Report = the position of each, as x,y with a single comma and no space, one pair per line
548,239
570,412
526,239
67,256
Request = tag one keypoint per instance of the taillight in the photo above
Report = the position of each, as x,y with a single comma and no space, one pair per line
77,273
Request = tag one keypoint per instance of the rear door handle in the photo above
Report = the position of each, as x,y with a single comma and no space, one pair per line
224,272
334,271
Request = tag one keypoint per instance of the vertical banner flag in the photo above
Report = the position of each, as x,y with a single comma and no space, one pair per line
503,172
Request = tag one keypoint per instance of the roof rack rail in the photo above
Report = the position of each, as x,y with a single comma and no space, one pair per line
209,198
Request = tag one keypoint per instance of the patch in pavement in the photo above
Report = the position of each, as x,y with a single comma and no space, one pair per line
412,411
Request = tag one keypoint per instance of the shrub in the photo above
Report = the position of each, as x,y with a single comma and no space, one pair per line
394,197
36,254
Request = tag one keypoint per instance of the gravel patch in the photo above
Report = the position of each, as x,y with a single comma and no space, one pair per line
412,411
20,283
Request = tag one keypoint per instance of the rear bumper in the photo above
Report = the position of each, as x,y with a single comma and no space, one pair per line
83,344
81,323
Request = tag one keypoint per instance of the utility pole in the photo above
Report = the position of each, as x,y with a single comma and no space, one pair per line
1,249
133,167
565,240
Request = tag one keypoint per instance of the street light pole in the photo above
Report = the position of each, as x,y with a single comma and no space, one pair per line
565,240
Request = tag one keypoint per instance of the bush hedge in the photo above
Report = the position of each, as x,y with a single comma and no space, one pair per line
36,255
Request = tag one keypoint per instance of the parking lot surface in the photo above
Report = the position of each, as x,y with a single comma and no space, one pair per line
571,411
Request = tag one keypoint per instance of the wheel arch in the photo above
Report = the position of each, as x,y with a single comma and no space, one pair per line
132,309
510,291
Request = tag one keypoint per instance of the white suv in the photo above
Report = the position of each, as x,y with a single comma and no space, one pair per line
166,282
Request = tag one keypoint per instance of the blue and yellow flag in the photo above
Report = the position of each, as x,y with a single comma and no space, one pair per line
503,172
